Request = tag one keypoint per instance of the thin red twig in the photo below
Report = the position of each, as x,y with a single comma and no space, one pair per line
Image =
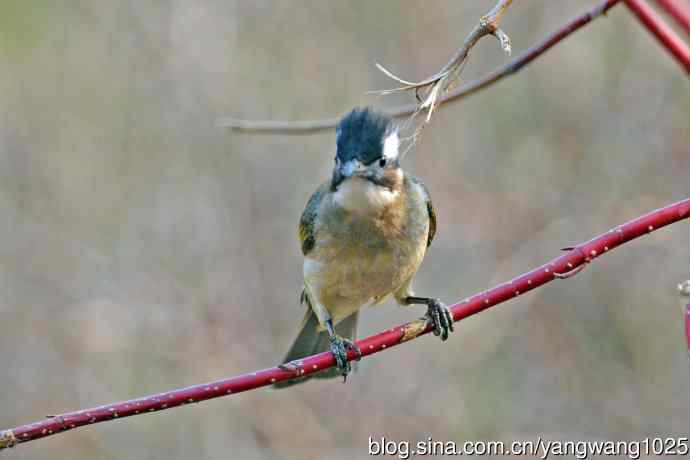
558,268
679,10
664,34
315,126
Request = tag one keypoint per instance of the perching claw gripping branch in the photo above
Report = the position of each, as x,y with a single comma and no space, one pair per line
575,257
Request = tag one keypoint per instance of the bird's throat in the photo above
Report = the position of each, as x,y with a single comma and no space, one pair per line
359,195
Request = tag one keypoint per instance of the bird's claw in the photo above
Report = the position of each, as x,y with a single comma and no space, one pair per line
441,319
339,348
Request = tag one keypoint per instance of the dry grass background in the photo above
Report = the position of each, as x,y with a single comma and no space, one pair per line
143,249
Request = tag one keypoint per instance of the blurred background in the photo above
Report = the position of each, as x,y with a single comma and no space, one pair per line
144,249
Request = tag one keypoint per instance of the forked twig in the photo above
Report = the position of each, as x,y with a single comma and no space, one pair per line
437,85
510,68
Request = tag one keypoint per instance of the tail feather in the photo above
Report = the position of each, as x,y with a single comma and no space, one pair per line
309,341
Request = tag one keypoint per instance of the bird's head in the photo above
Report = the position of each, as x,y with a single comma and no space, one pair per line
367,170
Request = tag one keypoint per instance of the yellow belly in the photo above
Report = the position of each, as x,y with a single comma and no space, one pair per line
353,277
360,255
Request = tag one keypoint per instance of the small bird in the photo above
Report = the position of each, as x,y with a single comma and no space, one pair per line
364,234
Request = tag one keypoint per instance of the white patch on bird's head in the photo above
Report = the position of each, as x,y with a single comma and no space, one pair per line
391,146
364,197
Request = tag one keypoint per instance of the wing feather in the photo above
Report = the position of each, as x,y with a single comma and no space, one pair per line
432,220
430,209
307,223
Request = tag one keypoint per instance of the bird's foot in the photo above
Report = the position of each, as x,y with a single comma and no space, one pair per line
441,318
339,348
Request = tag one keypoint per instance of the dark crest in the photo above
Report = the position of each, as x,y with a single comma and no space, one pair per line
360,135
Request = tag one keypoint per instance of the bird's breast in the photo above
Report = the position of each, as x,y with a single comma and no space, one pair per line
360,257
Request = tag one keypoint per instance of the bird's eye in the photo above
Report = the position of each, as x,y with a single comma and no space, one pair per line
382,162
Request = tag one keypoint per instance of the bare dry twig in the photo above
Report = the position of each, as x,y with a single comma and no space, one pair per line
437,85
510,68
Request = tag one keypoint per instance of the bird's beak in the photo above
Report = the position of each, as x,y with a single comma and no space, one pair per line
346,171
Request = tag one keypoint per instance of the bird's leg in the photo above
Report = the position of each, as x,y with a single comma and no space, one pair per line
438,314
339,348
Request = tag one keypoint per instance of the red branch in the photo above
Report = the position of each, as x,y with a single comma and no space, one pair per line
679,10
687,326
666,36
506,70
561,267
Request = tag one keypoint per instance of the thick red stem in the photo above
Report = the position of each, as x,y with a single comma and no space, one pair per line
562,265
666,36
686,313
679,10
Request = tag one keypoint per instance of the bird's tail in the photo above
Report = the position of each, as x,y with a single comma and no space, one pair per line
310,341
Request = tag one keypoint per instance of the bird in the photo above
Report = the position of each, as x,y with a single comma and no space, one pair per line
363,233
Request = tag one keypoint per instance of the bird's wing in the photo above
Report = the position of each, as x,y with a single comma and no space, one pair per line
430,210
307,223
432,220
